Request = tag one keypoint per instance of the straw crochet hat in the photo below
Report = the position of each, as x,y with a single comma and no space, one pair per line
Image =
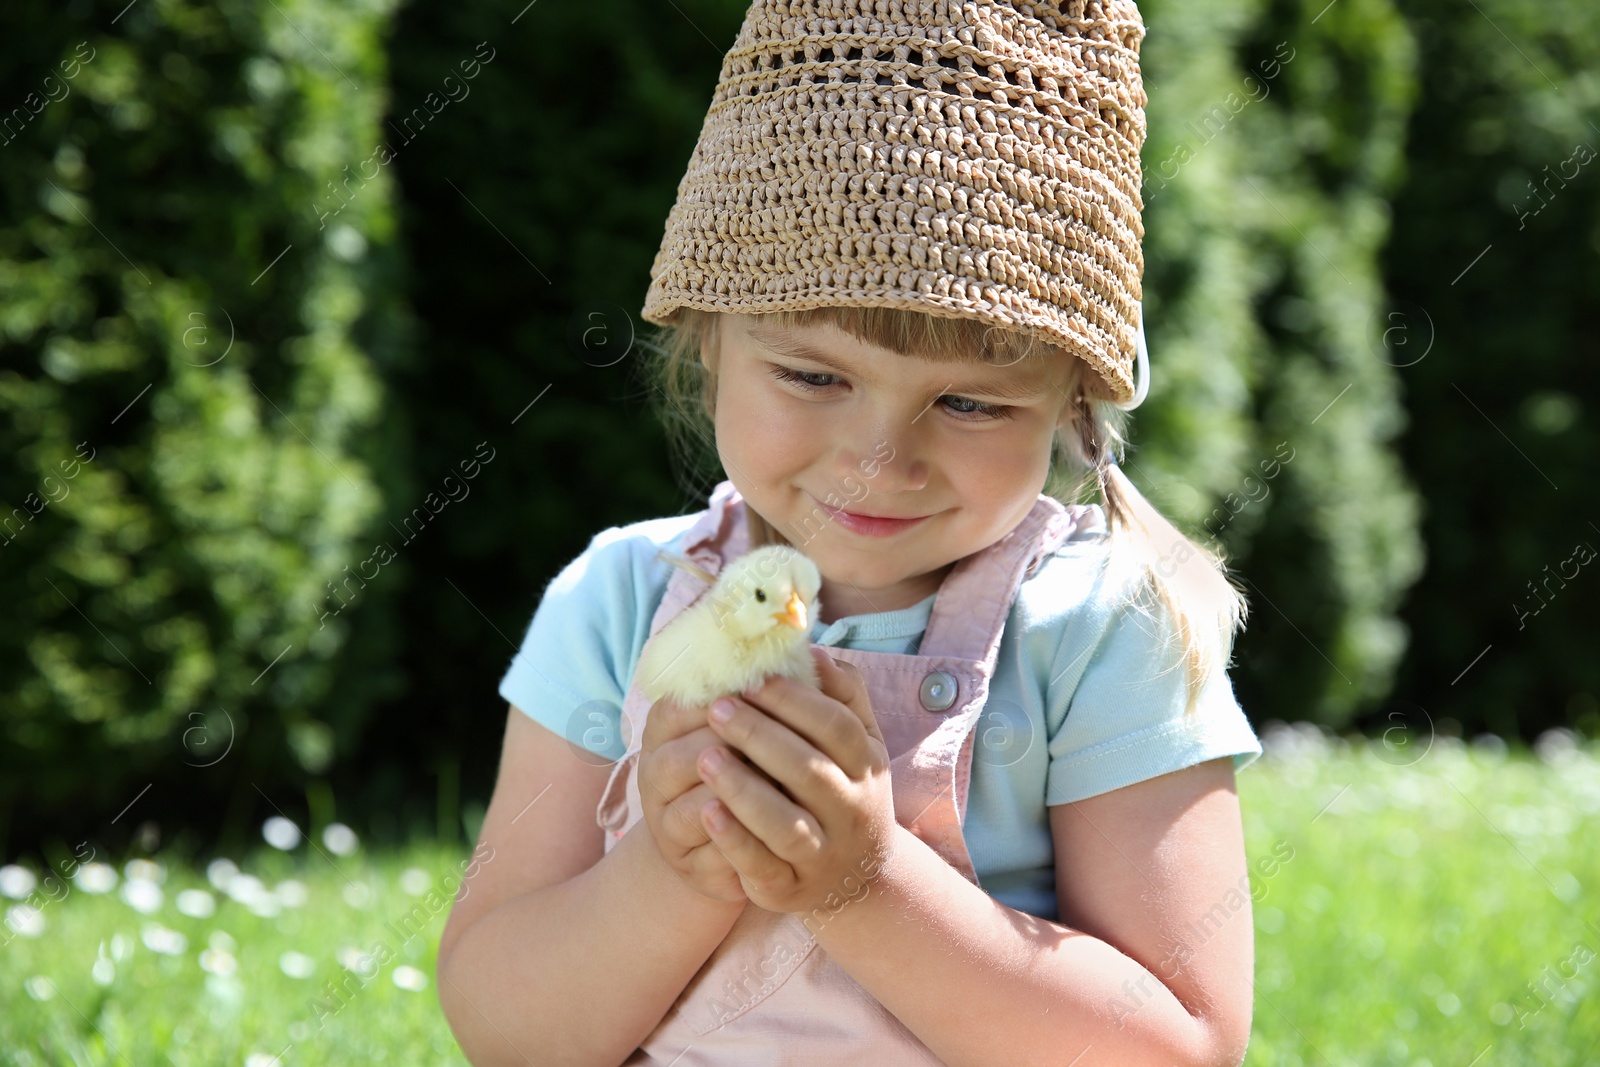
976,159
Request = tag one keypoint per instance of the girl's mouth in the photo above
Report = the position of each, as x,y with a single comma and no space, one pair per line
871,525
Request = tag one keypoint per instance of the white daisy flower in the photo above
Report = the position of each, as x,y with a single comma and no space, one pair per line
280,833
291,893
197,903
408,977
353,959
245,887
17,882
296,964
96,878
219,872
158,938
25,920
340,839
141,896
217,962
143,870
104,972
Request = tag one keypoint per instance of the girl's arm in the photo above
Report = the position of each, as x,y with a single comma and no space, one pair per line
559,952
1151,965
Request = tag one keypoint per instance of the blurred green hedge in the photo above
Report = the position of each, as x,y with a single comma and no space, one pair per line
1276,135
191,380
1494,267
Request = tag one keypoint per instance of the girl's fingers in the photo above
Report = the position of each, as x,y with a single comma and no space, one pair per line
787,831
745,853
685,815
828,723
678,770
809,777
843,682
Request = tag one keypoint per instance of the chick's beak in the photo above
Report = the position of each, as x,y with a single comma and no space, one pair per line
794,613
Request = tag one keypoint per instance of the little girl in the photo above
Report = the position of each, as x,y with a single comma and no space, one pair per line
901,294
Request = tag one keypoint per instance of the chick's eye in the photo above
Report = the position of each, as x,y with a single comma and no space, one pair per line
761,596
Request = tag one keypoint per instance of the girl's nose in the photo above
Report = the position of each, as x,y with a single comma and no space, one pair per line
890,467
916,475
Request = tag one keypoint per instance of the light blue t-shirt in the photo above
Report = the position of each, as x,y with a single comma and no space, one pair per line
1088,692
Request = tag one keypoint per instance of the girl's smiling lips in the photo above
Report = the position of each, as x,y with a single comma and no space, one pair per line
871,525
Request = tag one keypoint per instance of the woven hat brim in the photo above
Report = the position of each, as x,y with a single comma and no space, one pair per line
983,174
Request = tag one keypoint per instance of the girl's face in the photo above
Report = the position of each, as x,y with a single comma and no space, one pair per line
809,419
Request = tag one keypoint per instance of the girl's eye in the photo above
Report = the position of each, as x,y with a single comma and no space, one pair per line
984,411
801,378
976,412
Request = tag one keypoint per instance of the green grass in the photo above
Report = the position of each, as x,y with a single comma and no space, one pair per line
1427,892
158,1008
1441,880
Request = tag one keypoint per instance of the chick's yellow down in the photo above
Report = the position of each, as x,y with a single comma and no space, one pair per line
754,623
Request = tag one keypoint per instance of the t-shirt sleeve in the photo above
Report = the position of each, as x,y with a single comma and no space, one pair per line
568,676
1125,720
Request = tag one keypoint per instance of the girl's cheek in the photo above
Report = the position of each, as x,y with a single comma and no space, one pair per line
771,420
759,427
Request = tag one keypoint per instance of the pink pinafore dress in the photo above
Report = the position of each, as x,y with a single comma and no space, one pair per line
769,995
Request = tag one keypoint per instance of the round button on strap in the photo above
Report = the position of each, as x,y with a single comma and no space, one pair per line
938,691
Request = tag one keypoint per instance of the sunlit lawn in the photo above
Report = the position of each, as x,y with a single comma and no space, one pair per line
1432,904
1440,906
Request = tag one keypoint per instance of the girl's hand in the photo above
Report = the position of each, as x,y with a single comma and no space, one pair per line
672,796
830,827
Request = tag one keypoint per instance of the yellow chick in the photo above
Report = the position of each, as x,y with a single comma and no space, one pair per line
754,623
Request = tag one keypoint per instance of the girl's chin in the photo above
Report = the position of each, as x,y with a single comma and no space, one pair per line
855,576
